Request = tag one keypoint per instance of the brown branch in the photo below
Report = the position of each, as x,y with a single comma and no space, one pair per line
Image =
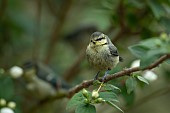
125,72
52,7
124,29
75,68
57,30
36,47
88,83
121,14
3,7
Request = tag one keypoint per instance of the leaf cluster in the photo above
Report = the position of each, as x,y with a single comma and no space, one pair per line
85,102
151,49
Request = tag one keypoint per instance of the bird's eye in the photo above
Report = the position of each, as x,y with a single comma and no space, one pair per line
91,41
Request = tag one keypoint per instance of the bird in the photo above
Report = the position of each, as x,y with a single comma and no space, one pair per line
41,81
102,54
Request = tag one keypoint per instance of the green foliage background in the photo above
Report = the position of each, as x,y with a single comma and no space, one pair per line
56,33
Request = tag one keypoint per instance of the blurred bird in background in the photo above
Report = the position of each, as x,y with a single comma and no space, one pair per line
41,81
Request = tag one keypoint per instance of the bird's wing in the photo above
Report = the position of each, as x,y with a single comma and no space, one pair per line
113,50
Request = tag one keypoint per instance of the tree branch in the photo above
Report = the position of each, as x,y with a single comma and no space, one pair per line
52,7
36,47
75,68
57,30
125,72
88,83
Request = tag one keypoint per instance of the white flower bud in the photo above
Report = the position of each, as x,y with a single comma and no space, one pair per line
150,76
2,102
100,100
6,110
95,94
86,101
164,35
12,105
135,63
16,71
85,92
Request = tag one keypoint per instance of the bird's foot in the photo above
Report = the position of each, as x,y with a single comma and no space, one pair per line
105,75
96,76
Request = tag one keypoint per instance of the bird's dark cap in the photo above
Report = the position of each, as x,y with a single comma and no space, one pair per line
96,34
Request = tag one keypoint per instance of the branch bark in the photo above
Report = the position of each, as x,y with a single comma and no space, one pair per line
36,47
88,83
75,68
125,72
57,30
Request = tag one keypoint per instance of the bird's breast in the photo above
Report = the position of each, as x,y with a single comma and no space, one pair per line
100,58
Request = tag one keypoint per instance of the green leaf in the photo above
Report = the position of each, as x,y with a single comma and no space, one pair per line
138,50
142,79
108,96
130,84
129,98
151,43
110,87
6,88
165,23
149,50
157,8
151,56
77,99
85,108
114,105
168,61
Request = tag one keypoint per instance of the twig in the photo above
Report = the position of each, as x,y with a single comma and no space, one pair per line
121,14
57,30
124,29
86,84
52,7
3,7
75,68
125,72
36,47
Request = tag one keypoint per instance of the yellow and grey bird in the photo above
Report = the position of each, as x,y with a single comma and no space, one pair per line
101,53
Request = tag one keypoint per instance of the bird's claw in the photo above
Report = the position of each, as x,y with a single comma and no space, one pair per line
104,77
96,77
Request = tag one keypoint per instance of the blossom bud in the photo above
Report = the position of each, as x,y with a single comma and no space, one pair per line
2,102
12,105
85,93
86,101
95,94
100,100
16,71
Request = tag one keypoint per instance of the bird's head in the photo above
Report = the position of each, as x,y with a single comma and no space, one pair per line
98,39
